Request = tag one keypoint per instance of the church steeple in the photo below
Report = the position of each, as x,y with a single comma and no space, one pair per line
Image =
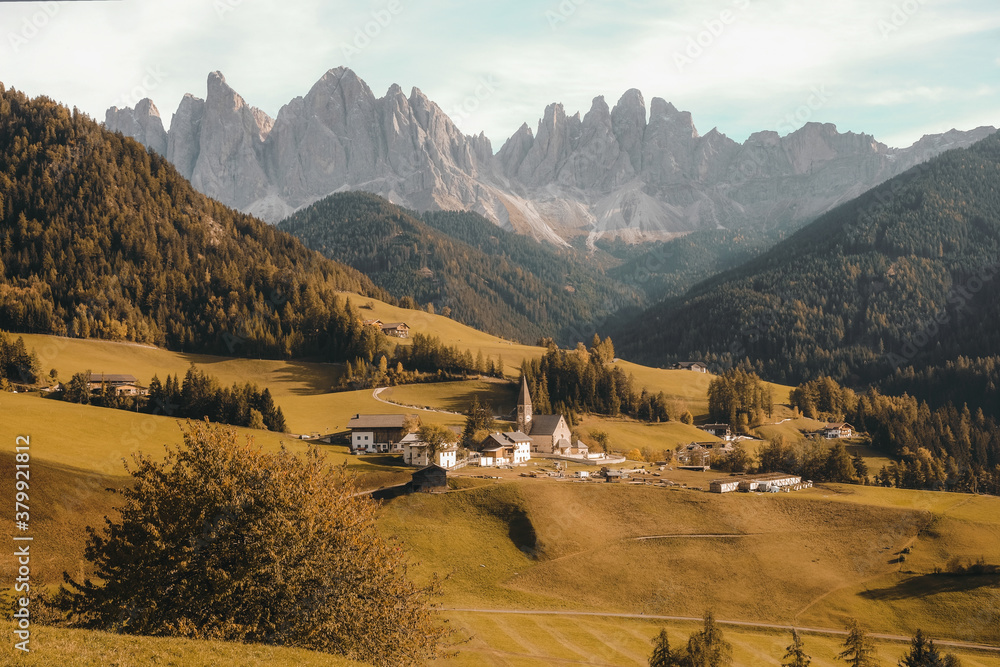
524,408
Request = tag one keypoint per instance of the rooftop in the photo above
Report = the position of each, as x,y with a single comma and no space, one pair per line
378,421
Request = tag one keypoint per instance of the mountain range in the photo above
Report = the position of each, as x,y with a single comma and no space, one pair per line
625,171
899,286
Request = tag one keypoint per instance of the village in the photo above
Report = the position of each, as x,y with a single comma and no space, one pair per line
545,445
542,444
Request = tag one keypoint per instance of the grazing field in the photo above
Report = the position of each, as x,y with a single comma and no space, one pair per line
811,558
89,648
451,333
540,640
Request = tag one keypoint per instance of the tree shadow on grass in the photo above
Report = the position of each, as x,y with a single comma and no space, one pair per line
931,584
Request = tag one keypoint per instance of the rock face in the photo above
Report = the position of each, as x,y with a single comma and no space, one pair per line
142,123
617,171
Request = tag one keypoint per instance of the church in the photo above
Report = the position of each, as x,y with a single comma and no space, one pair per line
550,434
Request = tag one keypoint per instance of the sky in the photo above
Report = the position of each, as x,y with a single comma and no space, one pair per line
895,69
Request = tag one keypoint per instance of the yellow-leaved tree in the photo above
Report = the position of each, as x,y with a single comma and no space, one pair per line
221,540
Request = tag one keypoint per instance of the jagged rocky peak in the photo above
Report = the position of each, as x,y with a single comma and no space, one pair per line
628,120
222,99
617,171
143,123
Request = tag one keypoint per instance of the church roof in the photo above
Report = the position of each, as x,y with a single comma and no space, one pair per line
524,397
545,424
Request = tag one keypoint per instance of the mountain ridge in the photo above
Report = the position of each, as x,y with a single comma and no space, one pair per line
612,172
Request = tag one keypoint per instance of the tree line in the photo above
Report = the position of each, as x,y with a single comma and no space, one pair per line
708,648
18,365
426,359
945,448
570,382
198,396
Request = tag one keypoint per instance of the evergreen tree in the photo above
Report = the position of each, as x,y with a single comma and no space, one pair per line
859,649
708,648
839,466
662,655
922,653
796,655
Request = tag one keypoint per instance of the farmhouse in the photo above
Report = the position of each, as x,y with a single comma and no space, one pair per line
763,482
380,433
550,434
695,366
723,431
373,323
123,385
500,449
396,329
838,430
415,453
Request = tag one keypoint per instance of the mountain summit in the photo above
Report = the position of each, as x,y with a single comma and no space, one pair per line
618,171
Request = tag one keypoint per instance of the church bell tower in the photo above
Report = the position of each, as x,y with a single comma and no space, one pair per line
524,408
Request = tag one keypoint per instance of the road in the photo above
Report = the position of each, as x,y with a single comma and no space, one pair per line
743,624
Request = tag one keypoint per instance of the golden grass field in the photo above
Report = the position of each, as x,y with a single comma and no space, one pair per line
812,558
87,648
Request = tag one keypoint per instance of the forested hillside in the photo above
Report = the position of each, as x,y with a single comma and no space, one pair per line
486,277
99,238
664,269
899,286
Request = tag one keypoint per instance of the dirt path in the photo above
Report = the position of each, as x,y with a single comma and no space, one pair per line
741,624
377,395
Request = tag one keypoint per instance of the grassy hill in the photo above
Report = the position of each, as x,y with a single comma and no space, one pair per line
811,558
88,648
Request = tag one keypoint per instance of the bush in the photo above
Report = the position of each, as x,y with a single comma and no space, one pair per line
224,541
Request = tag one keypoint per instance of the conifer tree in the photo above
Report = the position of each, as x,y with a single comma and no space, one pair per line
796,655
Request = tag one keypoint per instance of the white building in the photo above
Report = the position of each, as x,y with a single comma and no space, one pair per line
500,449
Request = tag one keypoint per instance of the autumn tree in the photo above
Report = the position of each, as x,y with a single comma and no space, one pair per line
436,436
220,540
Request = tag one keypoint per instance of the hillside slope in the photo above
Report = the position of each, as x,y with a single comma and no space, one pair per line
903,278
487,278
99,238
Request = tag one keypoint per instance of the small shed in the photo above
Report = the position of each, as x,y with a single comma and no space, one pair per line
430,479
